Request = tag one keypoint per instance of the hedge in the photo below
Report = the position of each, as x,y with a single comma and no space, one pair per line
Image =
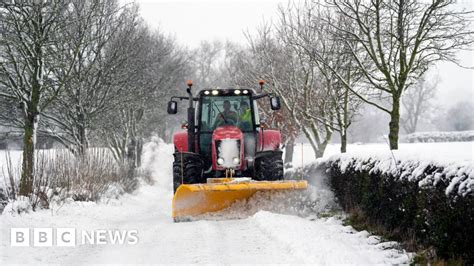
431,202
447,136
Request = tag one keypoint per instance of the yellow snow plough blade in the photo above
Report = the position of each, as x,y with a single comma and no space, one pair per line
219,193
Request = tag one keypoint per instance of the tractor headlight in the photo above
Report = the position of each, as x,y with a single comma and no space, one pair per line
215,92
220,161
236,160
237,92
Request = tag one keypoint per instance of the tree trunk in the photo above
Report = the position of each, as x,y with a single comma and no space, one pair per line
82,136
83,143
290,146
31,116
319,153
139,151
29,141
343,142
131,157
321,145
132,152
394,123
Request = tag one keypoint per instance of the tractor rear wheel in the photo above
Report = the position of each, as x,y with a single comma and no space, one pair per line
269,166
187,169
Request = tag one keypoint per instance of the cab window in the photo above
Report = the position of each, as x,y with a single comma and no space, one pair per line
229,110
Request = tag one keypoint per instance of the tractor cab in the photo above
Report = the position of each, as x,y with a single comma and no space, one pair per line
226,107
226,110
224,137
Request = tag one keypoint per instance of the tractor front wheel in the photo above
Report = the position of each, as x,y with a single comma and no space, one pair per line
187,169
269,166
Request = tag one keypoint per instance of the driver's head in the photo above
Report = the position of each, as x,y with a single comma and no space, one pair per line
226,106
244,106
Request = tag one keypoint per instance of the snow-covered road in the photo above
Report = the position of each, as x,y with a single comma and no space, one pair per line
258,236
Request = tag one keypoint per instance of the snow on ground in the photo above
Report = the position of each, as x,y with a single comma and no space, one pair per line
242,234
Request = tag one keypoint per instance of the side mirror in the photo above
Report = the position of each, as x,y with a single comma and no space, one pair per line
172,107
275,103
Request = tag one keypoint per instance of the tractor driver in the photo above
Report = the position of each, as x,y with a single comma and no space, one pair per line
245,119
227,117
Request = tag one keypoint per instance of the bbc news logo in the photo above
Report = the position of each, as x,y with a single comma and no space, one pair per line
67,237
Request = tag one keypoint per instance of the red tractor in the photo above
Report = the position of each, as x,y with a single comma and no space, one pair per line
225,141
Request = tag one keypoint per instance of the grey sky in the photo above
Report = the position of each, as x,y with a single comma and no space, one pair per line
194,21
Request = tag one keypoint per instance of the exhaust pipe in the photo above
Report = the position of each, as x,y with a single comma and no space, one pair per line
191,126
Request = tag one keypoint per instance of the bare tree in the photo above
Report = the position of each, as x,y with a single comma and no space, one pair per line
402,39
417,103
206,62
140,112
105,34
294,77
241,70
305,25
459,117
30,55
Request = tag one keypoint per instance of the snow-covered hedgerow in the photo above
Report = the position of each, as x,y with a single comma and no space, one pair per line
448,136
428,200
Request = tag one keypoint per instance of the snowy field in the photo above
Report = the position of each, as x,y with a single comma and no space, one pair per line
440,152
242,234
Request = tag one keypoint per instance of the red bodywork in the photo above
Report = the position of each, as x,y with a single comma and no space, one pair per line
271,140
227,132
268,139
180,140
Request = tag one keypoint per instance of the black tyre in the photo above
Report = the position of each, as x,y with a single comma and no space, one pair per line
269,165
187,169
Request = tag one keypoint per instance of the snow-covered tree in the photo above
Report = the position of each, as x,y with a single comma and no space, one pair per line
30,55
306,26
300,59
240,69
105,34
292,75
401,39
151,76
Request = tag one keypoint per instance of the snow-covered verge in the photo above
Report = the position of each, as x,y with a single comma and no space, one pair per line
436,136
62,177
268,228
420,194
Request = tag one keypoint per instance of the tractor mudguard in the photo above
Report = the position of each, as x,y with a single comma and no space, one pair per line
270,139
180,141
